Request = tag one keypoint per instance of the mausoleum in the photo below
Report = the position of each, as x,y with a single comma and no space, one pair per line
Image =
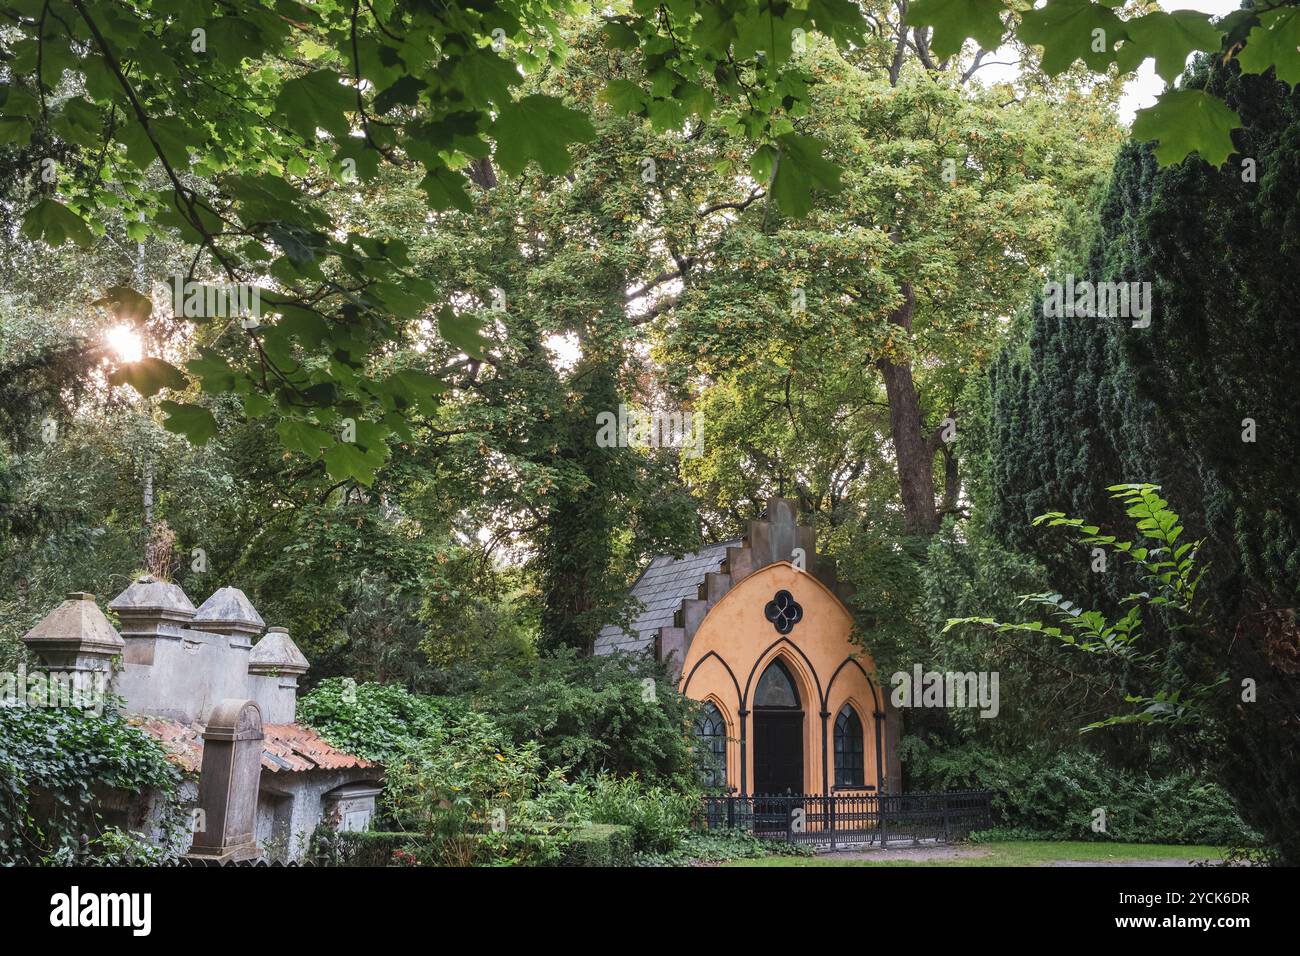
219,691
757,632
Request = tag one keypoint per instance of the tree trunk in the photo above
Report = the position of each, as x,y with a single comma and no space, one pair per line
914,449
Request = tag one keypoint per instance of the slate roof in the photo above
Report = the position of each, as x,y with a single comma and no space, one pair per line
663,585
290,747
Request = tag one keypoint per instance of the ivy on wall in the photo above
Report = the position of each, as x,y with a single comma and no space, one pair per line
59,757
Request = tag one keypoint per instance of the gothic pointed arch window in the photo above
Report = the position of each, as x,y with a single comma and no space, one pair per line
849,757
711,747
776,688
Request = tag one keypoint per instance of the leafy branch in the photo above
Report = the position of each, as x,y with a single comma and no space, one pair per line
1171,575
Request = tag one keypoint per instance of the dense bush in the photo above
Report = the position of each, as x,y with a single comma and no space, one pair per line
616,714
718,846
475,787
377,721
1052,795
1081,403
658,817
62,755
331,847
599,844
469,795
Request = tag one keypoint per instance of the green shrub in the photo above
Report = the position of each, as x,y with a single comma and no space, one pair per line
64,753
612,714
331,847
659,817
1052,795
377,721
599,844
720,845
469,795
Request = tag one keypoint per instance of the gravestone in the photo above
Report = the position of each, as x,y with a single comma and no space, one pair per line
228,783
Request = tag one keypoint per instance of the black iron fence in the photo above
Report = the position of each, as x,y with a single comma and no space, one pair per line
837,819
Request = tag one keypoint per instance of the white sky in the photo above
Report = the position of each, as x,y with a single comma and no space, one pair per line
1142,91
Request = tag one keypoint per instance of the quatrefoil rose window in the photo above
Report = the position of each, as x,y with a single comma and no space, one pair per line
784,612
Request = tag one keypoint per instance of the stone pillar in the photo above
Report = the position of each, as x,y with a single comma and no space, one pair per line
151,610
229,612
162,664
781,514
670,647
226,625
274,667
77,640
228,783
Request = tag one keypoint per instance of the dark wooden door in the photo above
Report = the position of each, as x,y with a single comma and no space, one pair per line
778,752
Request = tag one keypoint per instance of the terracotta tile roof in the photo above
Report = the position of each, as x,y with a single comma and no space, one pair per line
285,747
295,747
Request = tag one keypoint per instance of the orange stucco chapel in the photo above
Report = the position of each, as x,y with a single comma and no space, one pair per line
756,632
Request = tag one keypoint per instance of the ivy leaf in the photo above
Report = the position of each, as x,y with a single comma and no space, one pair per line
1169,38
15,130
417,388
212,370
955,20
445,189
193,421
79,122
486,77
1185,122
539,128
624,96
841,20
1067,31
149,376
619,36
799,170
1274,42
53,223
317,100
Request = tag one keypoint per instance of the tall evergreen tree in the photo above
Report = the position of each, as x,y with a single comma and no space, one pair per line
1201,402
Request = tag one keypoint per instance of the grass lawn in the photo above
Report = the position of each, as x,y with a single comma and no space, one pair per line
1027,853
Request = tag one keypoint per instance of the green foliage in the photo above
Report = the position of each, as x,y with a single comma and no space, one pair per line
598,844
262,118
116,847
1050,794
1077,402
618,714
721,845
59,756
381,722
656,817
1183,121
1169,571
332,847
1188,121
468,795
